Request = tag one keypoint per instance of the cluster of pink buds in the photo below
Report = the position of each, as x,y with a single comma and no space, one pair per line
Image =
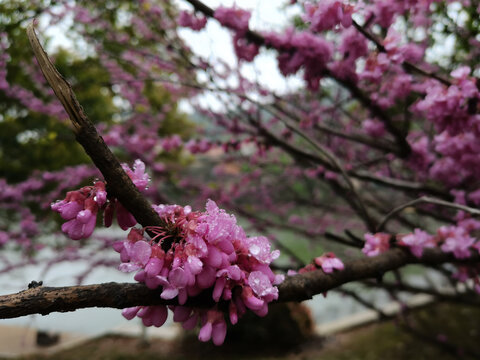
80,209
196,252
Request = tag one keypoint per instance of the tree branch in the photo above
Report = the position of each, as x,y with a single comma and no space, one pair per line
404,148
426,200
44,300
119,184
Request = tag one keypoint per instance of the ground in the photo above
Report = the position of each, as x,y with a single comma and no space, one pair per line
443,323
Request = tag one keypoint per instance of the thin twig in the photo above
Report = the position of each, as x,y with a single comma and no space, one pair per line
426,200
118,182
338,166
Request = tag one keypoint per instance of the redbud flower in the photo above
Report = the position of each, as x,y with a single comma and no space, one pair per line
417,242
187,19
329,262
456,240
198,252
138,175
80,208
376,244
233,18
327,14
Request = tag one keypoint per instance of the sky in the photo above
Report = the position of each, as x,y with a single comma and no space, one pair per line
214,42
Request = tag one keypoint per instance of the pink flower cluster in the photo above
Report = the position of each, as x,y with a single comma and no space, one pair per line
80,207
170,143
455,240
244,49
138,175
233,18
329,262
454,112
192,21
301,49
452,239
448,107
237,19
326,14
198,252
198,146
417,241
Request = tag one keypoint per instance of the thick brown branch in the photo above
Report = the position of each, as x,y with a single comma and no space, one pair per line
119,184
44,300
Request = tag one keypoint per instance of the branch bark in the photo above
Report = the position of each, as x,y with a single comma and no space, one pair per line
44,300
119,184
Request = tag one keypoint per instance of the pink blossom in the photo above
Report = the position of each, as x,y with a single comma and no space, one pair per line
214,328
327,14
171,143
244,49
398,52
417,241
259,248
130,313
376,244
461,72
124,218
198,146
455,240
206,251
302,49
373,127
385,12
138,175
192,21
446,107
138,254
353,45
329,262
475,197
80,209
421,157
262,286
234,18
153,315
